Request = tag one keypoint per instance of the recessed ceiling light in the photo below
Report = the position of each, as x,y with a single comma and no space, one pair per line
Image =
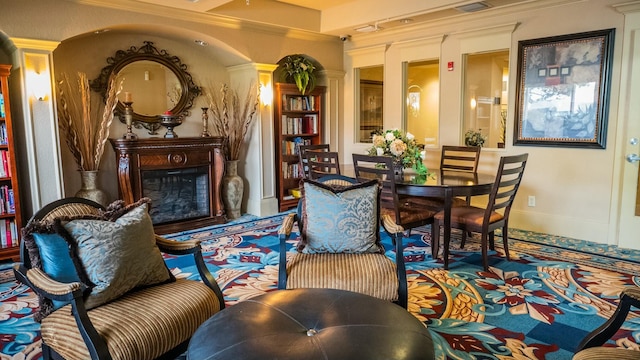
201,42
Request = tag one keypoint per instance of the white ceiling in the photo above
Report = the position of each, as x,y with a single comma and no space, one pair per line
332,17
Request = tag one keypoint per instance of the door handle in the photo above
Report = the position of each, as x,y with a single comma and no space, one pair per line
633,158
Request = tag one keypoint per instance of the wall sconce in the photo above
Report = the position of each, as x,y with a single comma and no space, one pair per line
266,95
39,85
474,103
146,75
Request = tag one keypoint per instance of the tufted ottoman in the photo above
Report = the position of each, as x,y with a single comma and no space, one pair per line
312,324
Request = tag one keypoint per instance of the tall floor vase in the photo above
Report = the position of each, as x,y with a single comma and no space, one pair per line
232,190
89,188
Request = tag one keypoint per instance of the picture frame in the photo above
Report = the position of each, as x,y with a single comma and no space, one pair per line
563,85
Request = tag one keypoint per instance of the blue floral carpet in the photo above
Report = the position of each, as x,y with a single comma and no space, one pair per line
537,306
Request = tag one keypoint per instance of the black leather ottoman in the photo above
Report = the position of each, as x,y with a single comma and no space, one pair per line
312,324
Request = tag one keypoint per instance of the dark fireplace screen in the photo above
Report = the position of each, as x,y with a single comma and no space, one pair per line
177,194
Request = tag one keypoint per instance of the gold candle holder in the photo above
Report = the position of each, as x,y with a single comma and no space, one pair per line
205,122
128,119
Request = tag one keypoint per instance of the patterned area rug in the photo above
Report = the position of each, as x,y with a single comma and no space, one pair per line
539,305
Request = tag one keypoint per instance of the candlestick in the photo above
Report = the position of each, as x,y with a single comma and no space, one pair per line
128,118
205,122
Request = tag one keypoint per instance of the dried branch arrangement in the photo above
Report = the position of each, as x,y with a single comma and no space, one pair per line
233,116
85,132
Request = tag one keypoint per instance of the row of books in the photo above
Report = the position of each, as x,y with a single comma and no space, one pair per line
3,134
298,103
2,113
292,147
307,124
5,169
8,233
290,170
7,200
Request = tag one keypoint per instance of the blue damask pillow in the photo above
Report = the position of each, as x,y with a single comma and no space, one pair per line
118,256
341,219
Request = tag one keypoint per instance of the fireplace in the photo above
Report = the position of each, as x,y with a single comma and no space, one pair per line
177,195
181,176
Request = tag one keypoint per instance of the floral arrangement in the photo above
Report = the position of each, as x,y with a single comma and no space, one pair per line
233,116
403,148
85,130
299,69
474,138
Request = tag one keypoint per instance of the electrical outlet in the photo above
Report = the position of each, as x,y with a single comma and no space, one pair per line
532,200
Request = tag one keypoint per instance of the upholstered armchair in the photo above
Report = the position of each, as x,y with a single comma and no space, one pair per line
591,346
340,248
148,315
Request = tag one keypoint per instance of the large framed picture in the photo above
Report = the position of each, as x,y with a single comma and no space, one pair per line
563,90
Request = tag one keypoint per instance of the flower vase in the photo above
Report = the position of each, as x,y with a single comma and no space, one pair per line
398,169
89,188
232,190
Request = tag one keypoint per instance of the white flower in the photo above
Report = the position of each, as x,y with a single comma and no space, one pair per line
380,151
397,147
410,136
389,136
423,154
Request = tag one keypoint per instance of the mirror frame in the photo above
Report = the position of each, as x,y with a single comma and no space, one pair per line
149,52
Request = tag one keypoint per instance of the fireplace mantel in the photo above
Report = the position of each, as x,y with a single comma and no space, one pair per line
171,172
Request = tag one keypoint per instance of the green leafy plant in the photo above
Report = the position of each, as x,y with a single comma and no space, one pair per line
474,138
299,70
403,148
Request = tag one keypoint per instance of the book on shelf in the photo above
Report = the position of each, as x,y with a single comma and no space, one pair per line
4,240
2,114
14,233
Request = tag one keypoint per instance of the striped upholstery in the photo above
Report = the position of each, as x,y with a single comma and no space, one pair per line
601,353
140,325
71,209
370,274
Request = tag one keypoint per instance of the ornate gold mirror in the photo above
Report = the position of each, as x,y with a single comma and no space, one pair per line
154,80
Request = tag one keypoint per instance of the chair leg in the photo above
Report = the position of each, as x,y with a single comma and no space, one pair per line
463,238
485,257
492,244
435,239
505,242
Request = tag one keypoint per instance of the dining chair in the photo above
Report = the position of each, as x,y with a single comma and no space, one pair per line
460,158
398,214
302,149
494,216
321,163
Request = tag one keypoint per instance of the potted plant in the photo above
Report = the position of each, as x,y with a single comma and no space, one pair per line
299,70
232,118
86,130
474,138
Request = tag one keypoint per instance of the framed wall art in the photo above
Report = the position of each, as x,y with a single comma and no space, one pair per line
563,90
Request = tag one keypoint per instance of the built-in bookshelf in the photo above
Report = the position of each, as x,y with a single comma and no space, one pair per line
10,218
298,122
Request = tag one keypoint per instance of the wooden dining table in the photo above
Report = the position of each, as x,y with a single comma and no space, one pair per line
445,184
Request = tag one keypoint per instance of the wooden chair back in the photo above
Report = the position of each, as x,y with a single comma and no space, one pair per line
320,164
369,167
302,149
460,158
510,171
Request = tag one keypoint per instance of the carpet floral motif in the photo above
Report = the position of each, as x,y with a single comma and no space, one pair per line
516,310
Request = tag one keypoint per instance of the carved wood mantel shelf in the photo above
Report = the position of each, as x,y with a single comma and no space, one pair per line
182,176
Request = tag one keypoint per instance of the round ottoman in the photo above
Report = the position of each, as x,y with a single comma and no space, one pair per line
312,324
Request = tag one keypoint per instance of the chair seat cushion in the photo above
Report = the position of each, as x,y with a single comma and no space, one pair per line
469,215
367,273
600,353
143,324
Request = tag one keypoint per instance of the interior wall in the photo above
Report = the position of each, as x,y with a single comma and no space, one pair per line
572,186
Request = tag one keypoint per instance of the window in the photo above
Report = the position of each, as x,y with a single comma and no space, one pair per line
485,98
422,79
370,90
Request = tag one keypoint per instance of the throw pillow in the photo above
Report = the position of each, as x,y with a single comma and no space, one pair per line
341,219
118,256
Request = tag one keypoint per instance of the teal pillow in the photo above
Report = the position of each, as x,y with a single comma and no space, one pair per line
55,258
340,219
118,256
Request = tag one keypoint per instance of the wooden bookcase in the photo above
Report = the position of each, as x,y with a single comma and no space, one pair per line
298,120
10,219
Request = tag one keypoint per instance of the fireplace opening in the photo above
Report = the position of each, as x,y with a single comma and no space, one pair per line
177,194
